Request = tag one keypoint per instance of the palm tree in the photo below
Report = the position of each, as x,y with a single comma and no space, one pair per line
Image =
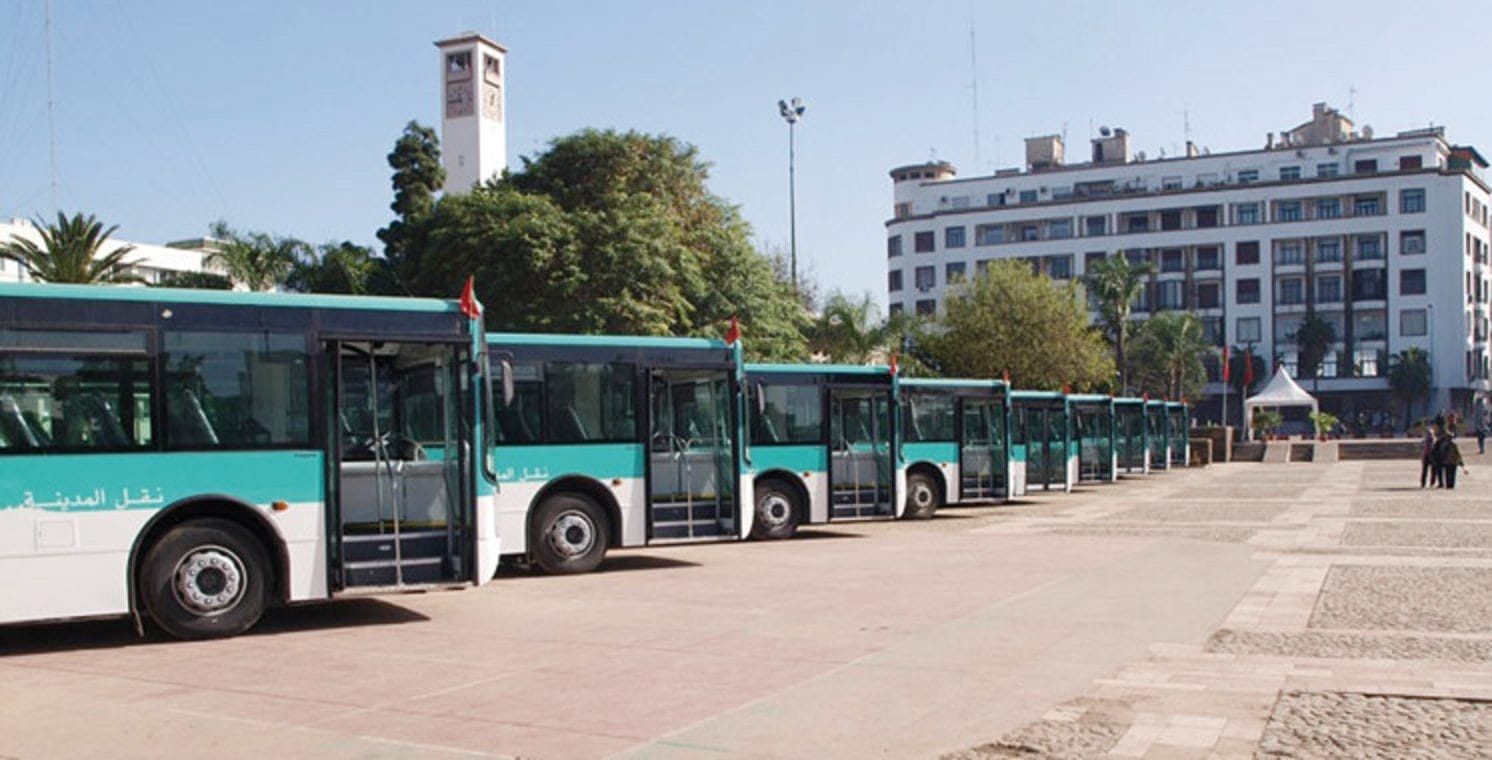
1313,338
255,260
1113,286
71,251
1409,378
849,330
1171,347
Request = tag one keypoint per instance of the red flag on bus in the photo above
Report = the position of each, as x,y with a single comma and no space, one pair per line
1006,376
733,333
470,306
1227,375
893,364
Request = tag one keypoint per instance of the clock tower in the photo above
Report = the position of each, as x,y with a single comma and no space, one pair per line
473,101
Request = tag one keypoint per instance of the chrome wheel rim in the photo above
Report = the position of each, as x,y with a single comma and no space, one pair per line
776,510
572,534
209,580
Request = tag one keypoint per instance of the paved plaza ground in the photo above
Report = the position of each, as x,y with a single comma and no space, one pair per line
1243,610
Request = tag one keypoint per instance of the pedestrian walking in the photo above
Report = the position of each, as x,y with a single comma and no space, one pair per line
1437,459
1481,435
1427,448
1450,459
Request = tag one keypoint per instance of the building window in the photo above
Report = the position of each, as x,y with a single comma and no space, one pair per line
1245,176
893,280
1369,284
1407,163
1170,220
1171,260
893,246
1327,170
1328,251
1209,295
1246,213
1030,233
1368,248
1248,290
1366,205
1207,217
1170,295
923,242
953,237
960,201
1366,361
1091,258
1059,229
981,267
1365,166
1137,223
994,199
1412,201
1247,330
1412,323
926,278
1288,211
1059,267
1289,172
1328,365
903,210
897,308
1328,208
1170,183
1290,291
1246,252
1411,282
1411,242
1212,331
927,307
1329,289
953,272
1290,253
1095,226
989,234
1208,258
1028,196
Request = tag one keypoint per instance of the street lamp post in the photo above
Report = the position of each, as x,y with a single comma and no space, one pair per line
792,112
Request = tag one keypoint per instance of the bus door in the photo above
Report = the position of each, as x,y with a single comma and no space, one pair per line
861,473
691,455
401,453
981,450
1049,457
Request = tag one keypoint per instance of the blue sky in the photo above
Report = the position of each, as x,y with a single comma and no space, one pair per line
278,116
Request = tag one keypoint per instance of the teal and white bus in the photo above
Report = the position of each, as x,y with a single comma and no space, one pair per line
955,442
823,440
615,441
1178,432
1046,454
1091,417
1131,436
192,457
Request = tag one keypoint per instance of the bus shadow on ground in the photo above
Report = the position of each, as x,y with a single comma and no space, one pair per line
44,638
612,564
813,534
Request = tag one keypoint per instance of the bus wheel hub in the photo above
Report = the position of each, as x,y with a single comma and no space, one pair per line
209,580
572,534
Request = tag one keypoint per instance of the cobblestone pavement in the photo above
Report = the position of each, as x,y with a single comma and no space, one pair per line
1369,637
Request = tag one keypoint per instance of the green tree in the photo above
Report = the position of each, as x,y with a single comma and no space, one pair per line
1409,378
195,280
257,260
1013,319
71,251
1313,338
1167,351
850,330
342,268
418,176
1242,357
607,232
1113,286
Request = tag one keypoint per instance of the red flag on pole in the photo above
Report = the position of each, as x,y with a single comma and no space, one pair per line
893,364
1005,374
733,334
470,306
1227,375
1248,369
1066,389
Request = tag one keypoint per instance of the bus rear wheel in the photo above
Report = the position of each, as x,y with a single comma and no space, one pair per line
206,579
923,498
776,511
569,536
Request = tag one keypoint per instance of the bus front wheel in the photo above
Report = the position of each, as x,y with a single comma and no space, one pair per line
776,511
922,497
206,579
570,535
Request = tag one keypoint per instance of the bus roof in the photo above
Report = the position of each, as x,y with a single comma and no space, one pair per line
951,382
1089,398
825,369
1034,395
137,294
1129,400
619,341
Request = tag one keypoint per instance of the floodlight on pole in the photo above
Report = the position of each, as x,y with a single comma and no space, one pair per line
792,112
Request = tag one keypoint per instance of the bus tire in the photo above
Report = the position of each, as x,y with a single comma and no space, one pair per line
206,578
569,534
776,511
923,497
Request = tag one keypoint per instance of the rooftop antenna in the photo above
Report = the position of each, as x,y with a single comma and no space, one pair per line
1352,102
974,91
51,111
1186,122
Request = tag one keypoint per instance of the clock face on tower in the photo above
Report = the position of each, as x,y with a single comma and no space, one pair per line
458,99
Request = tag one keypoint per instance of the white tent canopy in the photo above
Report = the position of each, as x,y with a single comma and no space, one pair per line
1281,390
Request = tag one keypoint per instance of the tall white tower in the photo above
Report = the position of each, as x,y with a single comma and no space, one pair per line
473,135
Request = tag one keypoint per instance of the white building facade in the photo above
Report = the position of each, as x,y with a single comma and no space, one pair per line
149,262
1387,238
473,107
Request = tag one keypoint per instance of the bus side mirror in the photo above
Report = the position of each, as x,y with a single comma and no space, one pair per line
761,399
508,392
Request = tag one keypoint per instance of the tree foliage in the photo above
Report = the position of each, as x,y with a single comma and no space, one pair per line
343,267
850,330
1013,319
1113,285
1409,377
258,261
71,252
606,232
1238,363
1313,338
195,280
418,176
1167,352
